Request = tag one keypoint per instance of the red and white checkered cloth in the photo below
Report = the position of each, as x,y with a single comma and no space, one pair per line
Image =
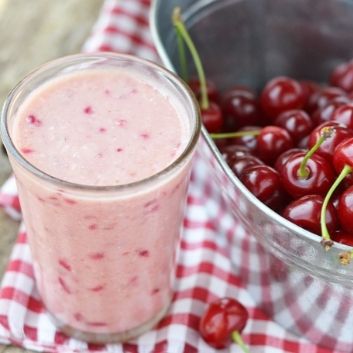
204,270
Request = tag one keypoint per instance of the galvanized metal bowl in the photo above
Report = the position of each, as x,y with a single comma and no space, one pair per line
248,42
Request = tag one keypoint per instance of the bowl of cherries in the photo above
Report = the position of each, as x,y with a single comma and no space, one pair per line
275,88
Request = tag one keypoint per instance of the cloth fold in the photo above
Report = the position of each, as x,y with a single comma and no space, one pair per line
204,269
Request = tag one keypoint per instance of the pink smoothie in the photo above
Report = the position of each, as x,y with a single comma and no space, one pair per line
103,263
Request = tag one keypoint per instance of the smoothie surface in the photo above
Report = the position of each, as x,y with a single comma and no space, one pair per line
100,127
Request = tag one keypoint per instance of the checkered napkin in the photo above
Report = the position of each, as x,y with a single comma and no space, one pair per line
204,270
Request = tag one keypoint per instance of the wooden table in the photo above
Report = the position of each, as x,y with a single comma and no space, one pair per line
31,33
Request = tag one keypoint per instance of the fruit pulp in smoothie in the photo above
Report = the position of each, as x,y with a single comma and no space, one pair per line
104,263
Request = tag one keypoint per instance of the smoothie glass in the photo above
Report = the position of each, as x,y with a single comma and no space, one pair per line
103,256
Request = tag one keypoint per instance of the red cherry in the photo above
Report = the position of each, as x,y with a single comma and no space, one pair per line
233,152
281,94
271,142
340,133
305,212
342,76
210,111
343,155
212,91
308,88
297,122
240,108
212,117
239,165
249,141
282,159
220,320
335,199
326,113
318,181
343,163
322,97
303,143
345,210
344,115
264,182
340,236
221,143
345,99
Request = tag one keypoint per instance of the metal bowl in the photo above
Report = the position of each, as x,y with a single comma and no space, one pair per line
248,42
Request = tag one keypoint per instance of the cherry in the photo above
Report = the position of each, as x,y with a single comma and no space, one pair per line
233,152
240,108
303,143
305,212
344,115
344,99
342,76
297,122
322,97
248,140
282,159
308,88
340,236
326,113
264,182
281,94
271,142
343,155
223,320
212,117
339,133
212,91
345,213
343,163
221,143
335,199
241,163
210,111
345,210
245,137
318,179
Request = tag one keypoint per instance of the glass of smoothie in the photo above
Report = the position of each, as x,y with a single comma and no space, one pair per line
101,147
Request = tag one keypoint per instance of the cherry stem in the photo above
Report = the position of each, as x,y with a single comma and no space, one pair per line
181,29
327,242
236,337
226,135
303,171
182,57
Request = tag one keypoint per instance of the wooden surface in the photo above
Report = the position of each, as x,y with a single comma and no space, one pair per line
31,33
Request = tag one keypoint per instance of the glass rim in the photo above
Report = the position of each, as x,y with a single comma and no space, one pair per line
77,58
